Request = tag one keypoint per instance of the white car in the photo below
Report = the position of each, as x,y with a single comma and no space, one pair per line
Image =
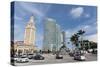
84,52
14,58
80,57
22,60
90,50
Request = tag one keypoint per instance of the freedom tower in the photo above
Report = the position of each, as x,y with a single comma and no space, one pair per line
29,37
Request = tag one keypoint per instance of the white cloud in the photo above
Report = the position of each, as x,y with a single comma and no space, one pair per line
77,12
28,7
39,37
69,33
90,32
87,15
86,27
17,18
34,8
18,32
92,37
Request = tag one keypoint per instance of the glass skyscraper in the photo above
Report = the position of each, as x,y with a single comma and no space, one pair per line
52,36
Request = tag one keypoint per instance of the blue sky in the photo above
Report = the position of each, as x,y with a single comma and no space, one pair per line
71,18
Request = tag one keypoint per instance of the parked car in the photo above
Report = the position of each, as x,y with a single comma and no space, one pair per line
94,51
13,59
38,57
71,53
79,56
83,52
58,56
30,56
90,50
22,60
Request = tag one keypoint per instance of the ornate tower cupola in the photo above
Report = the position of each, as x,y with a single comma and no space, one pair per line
29,37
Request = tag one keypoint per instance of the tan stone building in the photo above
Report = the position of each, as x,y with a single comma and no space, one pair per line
29,37
28,45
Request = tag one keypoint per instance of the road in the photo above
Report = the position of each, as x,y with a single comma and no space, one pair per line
49,58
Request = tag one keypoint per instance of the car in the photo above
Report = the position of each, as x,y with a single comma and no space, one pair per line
94,51
79,57
71,54
22,60
30,56
59,56
83,52
38,57
90,50
14,58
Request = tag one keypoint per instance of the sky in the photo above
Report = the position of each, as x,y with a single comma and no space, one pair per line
71,18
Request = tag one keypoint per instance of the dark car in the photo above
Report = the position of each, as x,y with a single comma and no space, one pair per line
30,56
59,56
94,51
79,56
71,54
39,57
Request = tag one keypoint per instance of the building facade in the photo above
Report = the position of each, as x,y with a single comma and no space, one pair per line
30,30
63,38
28,45
52,36
63,48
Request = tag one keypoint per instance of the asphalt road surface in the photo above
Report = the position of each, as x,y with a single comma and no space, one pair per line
50,59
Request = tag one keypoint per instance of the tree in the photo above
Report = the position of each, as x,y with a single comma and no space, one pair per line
74,39
93,45
80,33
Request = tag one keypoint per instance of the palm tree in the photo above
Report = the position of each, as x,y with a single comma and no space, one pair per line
74,39
80,33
